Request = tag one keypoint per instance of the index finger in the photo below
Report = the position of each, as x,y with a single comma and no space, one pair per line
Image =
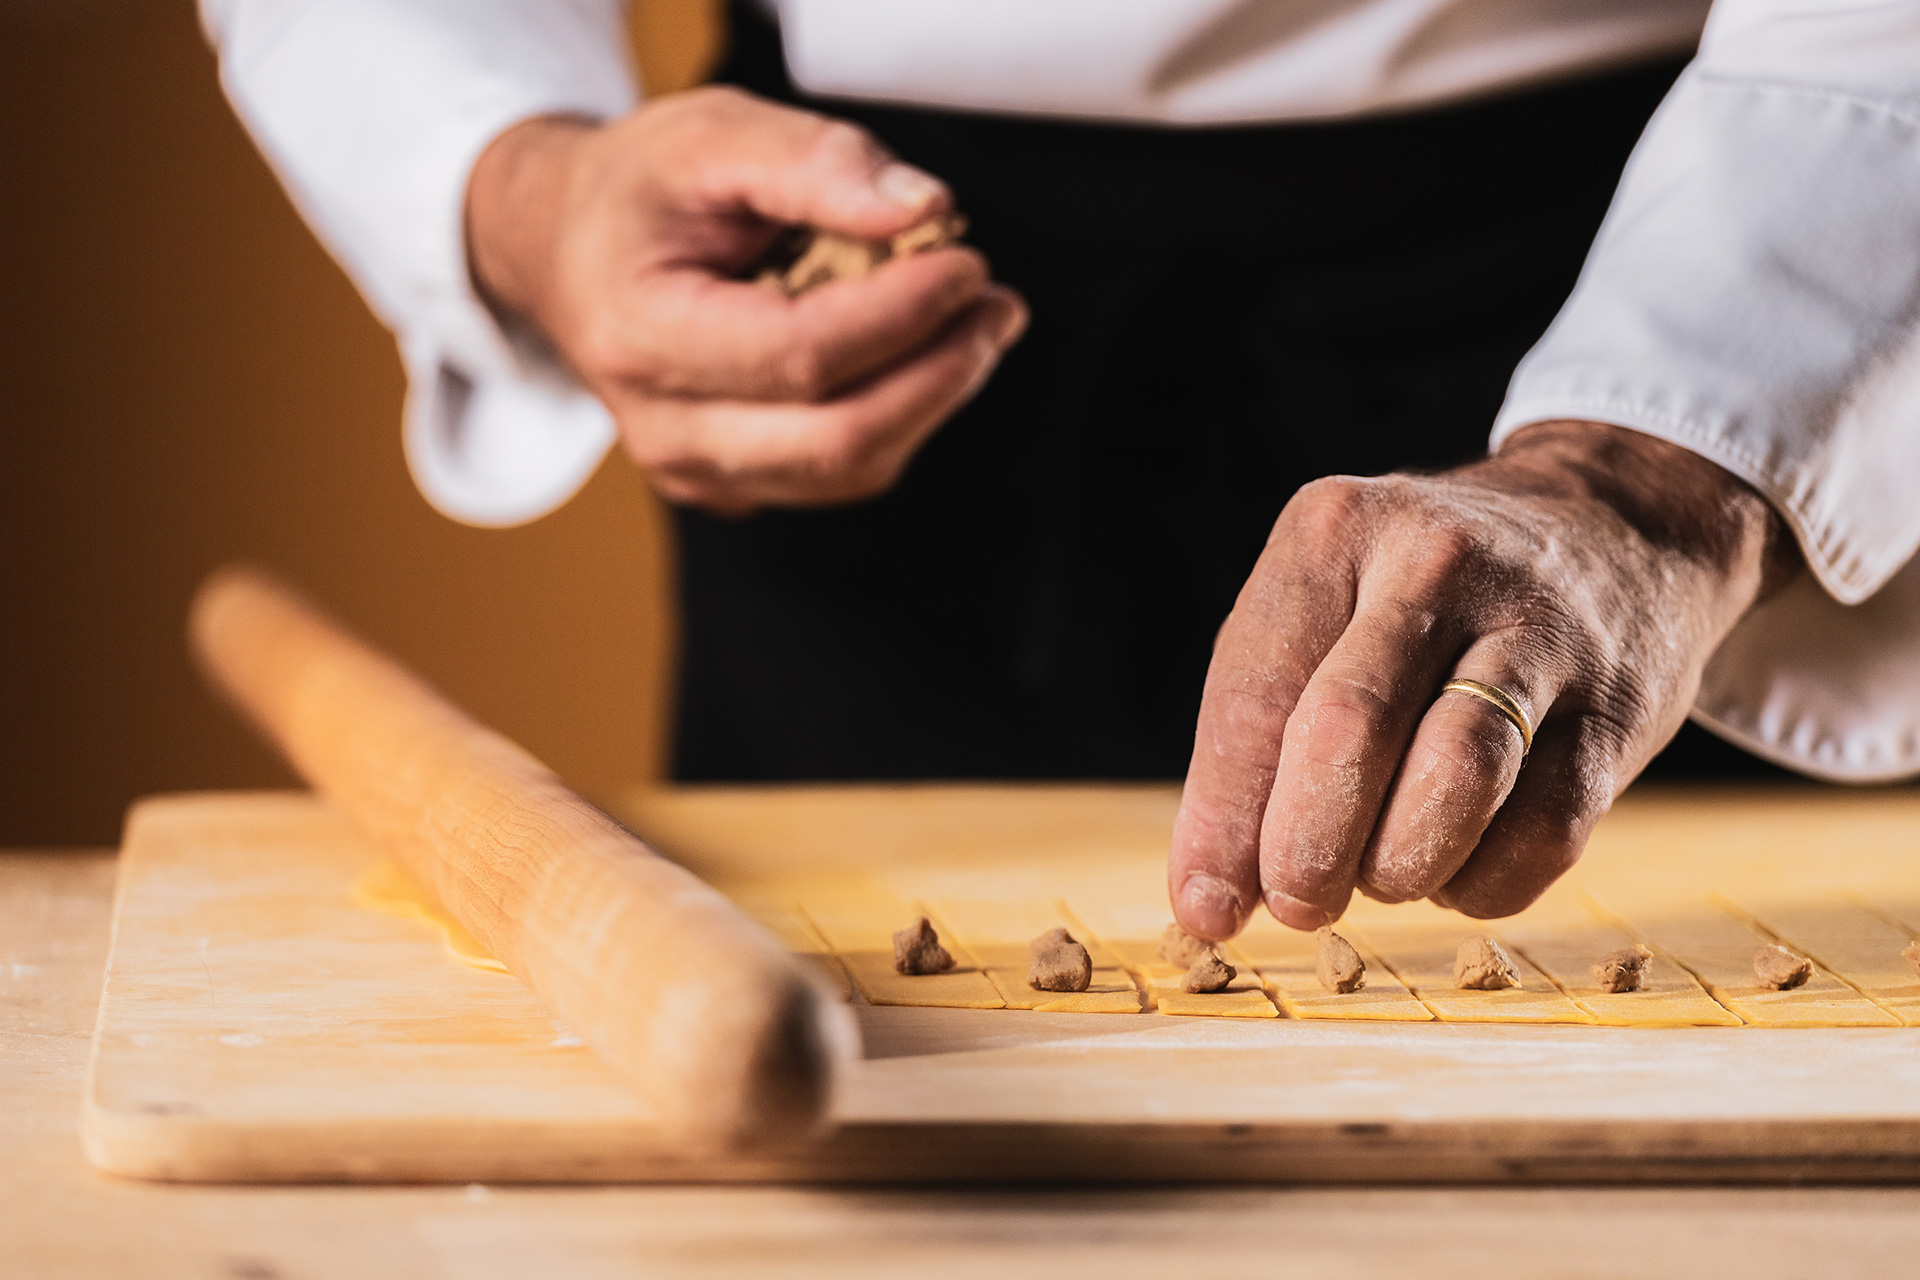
1344,743
1287,617
730,456
795,166
688,332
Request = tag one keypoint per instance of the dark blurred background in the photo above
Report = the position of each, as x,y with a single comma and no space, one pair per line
188,379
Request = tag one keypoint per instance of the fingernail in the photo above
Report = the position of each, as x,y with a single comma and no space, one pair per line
1209,907
1295,913
905,185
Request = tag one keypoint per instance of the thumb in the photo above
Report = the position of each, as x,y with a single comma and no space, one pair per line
794,166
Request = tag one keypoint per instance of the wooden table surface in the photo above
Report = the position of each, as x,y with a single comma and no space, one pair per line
59,1218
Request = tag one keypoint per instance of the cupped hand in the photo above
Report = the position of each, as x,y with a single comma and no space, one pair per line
625,245
1587,570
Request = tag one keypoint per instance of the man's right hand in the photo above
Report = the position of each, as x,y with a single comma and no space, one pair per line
624,244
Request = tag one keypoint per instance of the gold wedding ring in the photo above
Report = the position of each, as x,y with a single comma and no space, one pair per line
1508,705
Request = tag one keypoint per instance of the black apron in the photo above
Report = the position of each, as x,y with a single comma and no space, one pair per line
1220,315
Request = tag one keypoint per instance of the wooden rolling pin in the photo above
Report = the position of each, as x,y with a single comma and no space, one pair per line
686,998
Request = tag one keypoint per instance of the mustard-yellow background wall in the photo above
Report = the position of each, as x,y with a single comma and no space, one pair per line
185,379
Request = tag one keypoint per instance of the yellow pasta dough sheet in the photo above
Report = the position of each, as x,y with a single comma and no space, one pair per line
1857,944
796,933
1418,940
1701,973
1131,931
859,924
1111,991
1903,911
1284,958
1562,936
999,935
386,886
1718,949
1244,997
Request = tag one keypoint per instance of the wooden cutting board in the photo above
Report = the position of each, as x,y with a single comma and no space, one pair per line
258,1025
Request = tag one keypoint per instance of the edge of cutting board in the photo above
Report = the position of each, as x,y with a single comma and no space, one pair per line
149,1135
182,1149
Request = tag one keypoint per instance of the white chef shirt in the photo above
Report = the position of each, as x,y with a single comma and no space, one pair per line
1754,294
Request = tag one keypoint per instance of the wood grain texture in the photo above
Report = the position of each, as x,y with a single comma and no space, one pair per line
258,1026
730,1042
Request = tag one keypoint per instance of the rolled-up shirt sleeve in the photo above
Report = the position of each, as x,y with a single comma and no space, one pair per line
1754,296
373,113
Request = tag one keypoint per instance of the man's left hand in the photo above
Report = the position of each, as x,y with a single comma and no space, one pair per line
1586,570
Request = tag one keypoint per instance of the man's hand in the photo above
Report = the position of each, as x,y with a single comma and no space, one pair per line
1587,570
623,245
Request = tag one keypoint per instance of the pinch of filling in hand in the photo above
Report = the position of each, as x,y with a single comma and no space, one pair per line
917,949
814,258
1780,968
1209,972
1622,970
1335,962
1482,964
1059,963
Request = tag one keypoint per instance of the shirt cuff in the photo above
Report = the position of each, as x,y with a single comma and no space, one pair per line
500,449
374,113
1823,688
1752,297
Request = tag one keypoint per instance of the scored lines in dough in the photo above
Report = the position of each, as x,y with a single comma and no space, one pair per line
1284,959
1418,942
1701,973
999,936
1562,936
1718,948
1131,932
1859,946
859,925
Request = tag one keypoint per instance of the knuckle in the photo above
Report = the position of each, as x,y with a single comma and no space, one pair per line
1449,552
861,470
719,97
838,456
1403,618
1627,701
1336,724
1241,708
605,347
1476,749
685,123
1348,700
801,373
840,142
1326,510
849,462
